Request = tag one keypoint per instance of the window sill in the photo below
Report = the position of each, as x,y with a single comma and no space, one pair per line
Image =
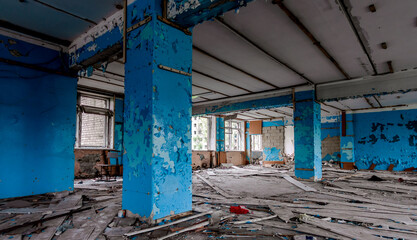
95,148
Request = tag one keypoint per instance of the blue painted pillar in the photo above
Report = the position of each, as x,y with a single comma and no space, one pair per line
347,142
157,116
307,136
220,135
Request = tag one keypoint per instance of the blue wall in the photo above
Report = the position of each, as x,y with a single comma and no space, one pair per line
386,138
118,130
37,127
330,130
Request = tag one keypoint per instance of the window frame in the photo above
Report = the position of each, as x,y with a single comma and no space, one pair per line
109,120
240,129
209,133
252,136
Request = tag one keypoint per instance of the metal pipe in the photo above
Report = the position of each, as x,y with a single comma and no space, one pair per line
309,35
219,80
250,42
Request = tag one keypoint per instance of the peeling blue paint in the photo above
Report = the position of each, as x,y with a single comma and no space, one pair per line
24,52
157,117
118,130
347,143
272,154
330,133
37,121
189,13
220,135
274,102
385,138
307,136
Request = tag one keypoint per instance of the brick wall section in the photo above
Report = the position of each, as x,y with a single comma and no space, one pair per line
330,148
273,137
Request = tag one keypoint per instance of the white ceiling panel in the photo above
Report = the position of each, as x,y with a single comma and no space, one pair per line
398,99
329,25
394,22
217,69
268,26
217,40
209,83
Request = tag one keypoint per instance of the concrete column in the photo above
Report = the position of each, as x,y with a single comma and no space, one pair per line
220,135
157,117
307,136
347,142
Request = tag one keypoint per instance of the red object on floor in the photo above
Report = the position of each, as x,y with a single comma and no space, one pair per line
239,210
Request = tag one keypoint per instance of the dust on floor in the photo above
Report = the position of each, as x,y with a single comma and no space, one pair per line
231,203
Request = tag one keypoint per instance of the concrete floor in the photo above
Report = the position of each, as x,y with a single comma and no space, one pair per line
344,205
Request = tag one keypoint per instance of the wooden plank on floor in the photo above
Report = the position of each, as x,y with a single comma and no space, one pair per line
283,213
298,184
217,189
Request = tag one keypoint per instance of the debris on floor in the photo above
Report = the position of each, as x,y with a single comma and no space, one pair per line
231,203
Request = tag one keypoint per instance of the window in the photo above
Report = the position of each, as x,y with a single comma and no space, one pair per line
234,135
95,121
256,142
200,133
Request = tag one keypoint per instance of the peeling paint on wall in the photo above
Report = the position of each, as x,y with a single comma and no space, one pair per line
189,13
37,121
385,138
157,118
220,135
307,136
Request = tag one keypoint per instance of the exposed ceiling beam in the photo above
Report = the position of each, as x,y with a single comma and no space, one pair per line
379,103
250,42
280,112
249,116
358,36
234,67
219,80
310,35
66,12
344,105
266,115
211,90
331,106
369,102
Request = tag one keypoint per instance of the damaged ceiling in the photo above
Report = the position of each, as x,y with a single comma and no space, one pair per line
265,46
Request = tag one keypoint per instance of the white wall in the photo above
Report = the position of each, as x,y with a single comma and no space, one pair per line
289,140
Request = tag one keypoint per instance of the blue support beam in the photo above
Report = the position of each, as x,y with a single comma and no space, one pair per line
347,142
272,102
307,136
188,13
220,134
157,116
